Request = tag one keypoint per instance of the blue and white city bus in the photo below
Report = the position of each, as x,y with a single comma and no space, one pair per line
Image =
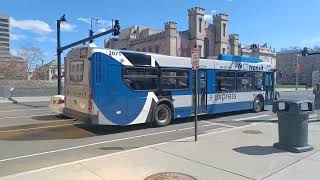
119,87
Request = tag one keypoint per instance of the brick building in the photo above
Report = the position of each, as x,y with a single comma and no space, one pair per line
287,68
13,68
211,37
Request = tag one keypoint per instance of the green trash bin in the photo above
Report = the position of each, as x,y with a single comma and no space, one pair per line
293,116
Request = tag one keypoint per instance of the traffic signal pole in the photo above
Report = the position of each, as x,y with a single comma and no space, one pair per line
115,31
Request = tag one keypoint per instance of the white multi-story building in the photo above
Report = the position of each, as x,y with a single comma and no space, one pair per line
4,36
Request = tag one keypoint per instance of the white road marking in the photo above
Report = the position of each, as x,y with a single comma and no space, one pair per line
19,110
120,152
220,124
97,143
253,117
43,127
35,115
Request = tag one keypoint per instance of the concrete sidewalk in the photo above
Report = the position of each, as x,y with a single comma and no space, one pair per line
293,89
238,153
25,99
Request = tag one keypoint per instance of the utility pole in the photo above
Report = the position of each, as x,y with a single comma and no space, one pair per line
115,31
297,71
59,21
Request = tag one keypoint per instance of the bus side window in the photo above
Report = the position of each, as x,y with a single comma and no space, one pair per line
258,81
225,81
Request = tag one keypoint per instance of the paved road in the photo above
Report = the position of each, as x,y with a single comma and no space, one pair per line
32,138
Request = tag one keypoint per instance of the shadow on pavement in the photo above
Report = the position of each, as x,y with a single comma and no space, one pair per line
85,130
42,104
257,150
50,118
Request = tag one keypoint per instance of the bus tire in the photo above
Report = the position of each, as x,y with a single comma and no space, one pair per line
258,104
162,115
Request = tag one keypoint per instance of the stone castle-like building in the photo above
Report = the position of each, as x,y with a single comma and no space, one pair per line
211,38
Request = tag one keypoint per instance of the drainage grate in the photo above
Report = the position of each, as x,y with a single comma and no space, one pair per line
252,132
170,176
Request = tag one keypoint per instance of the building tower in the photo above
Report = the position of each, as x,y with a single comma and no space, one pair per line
220,23
197,28
234,44
4,36
171,38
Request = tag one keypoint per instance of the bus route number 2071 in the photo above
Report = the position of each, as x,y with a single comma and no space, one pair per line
113,53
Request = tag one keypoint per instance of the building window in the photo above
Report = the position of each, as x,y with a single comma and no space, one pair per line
156,49
224,29
4,30
4,25
225,81
200,25
4,20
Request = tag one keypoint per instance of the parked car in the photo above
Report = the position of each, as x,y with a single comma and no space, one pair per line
56,104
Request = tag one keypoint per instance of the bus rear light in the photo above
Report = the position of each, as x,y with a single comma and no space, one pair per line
60,101
90,101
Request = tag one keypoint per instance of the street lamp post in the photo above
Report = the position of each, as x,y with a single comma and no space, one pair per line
297,71
59,21
91,31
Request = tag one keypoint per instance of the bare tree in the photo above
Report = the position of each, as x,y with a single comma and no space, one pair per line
33,55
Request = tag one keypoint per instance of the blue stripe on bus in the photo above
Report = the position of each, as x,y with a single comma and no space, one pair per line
114,99
228,57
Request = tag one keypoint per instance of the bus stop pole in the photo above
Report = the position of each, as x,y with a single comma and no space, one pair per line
196,108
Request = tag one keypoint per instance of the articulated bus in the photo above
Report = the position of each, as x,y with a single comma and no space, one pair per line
120,87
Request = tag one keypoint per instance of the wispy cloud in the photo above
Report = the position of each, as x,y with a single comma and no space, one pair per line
85,20
311,42
102,30
208,17
67,27
17,37
102,23
36,26
45,39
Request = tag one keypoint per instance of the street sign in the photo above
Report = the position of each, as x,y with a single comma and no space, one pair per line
195,56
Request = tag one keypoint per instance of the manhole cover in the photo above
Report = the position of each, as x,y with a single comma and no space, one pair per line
170,176
252,132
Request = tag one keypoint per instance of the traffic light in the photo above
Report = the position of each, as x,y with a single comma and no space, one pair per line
91,34
116,28
305,51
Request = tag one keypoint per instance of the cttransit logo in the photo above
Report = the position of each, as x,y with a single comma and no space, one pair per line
225,96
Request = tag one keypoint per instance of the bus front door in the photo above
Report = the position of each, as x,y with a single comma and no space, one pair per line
202,91
269,87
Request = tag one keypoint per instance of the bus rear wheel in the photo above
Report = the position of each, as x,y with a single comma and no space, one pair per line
257,105
162,115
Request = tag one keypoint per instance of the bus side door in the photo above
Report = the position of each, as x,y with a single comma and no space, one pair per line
269,87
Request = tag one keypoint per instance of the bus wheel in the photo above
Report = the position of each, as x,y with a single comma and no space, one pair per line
162,115
257,104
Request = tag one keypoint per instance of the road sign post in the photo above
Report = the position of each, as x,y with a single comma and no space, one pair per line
195,56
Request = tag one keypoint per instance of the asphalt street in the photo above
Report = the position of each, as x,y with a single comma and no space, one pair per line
31,137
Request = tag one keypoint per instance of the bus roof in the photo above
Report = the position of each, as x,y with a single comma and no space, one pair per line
228,62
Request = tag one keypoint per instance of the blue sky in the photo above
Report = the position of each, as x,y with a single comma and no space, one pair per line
280,23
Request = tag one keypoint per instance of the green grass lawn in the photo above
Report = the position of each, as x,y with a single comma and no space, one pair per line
289,86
